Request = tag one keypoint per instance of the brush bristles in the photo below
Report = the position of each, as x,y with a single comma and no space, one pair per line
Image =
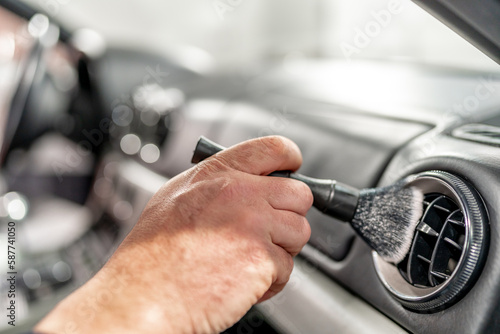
386,219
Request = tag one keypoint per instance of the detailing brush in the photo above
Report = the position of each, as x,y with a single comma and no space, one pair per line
385,218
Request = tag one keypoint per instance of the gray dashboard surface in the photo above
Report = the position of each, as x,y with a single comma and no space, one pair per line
330,308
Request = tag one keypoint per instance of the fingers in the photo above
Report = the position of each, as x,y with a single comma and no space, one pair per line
280,209
276,206
290,231
287,194
262,156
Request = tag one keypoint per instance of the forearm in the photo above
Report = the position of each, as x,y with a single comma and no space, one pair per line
119,300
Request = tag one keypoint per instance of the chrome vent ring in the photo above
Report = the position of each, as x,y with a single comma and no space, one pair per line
448,249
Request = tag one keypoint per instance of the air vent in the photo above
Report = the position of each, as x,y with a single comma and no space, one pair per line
448,249
481,133
438,243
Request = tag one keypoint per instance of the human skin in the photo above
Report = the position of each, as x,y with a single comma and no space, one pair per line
212,242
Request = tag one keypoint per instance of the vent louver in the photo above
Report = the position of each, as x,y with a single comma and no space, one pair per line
448,249
438,243
481,133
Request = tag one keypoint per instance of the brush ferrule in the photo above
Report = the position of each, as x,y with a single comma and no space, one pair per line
333,198
343,203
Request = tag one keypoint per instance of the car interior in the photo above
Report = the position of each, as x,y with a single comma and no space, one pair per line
96,115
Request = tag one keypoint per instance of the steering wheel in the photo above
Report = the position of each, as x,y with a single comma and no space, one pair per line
30,71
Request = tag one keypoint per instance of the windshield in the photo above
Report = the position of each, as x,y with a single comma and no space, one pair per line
242,33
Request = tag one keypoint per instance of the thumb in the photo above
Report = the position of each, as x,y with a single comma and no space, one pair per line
262,156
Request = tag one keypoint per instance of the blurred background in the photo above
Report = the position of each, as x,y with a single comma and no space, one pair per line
240,34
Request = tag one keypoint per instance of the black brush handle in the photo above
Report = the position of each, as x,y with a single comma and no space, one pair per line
205,148
333,198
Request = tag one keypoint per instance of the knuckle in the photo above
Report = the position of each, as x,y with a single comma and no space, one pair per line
302,231
302,237
306,193
205,170
305,230
221,162
275,145
198,173
288,265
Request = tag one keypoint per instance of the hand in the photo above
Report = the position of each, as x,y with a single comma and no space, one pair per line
211,243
